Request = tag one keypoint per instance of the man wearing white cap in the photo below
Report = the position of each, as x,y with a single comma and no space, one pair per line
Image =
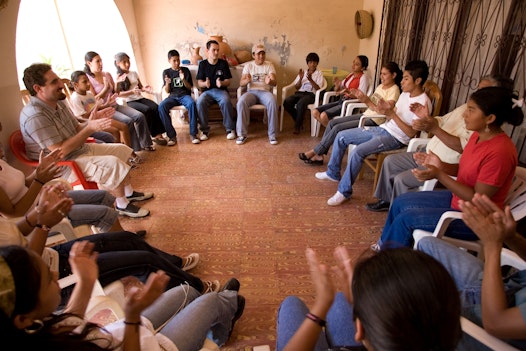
260,76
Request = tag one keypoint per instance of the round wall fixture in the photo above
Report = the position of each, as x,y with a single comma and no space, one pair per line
363,21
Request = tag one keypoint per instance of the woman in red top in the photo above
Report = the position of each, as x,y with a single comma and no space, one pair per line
487,166
355,80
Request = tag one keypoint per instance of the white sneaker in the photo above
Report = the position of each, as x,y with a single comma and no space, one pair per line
203,137
231,135
337,199
273,141
195,140
324,176
172,141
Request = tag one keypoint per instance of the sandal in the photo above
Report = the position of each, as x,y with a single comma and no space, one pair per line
303,157
312,162
149,148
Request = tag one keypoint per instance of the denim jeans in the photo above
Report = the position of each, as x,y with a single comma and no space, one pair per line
467,271
335,126
171,101
136,122
367,141
151,112
92,207
253,97
192,317
209,97
340,324
420,210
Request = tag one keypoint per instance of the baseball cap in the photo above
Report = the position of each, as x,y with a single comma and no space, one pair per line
258,48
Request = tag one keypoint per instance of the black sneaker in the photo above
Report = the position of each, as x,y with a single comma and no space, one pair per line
231,284
138,196
133,211
379,206
239,312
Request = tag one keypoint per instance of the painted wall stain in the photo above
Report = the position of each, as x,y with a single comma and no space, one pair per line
279,44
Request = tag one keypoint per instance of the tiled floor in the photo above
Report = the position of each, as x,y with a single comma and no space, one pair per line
250,211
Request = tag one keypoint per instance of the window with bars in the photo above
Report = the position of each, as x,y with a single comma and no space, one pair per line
461,40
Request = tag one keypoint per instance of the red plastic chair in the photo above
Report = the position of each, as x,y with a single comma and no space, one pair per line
18,147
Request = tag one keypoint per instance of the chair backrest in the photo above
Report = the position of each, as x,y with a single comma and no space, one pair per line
370,89
18,148
517,194
67,87
435,95
24,94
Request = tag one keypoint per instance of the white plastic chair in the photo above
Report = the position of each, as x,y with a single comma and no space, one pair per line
516,199
507,258
289,90
315,124
258,107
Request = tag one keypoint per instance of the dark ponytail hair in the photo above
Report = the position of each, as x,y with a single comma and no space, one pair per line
364,60
498,101
90,55
406,301
393,67
126,84
27,277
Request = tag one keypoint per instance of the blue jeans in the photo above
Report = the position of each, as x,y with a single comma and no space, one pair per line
136,122
420,210
209,97
340,324
92,207
368,142
253,97
467,272
192,317
171,101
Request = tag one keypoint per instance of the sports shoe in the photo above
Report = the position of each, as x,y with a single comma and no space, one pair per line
337,199
132,211
241,140
231,135
195,140
211,286
190,262
379,206
172,141
136,159
138,196
203,137
375,247
273,141
160,141
239,312
232,284
324,176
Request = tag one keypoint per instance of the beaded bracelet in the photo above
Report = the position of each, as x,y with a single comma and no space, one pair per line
316,319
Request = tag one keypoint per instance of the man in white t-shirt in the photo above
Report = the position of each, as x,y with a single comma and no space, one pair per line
259,76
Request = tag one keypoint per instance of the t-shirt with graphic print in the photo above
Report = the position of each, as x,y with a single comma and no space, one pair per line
177,87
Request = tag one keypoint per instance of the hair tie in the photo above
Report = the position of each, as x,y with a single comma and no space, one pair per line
517,103
7,289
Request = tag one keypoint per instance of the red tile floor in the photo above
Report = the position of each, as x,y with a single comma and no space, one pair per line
250,211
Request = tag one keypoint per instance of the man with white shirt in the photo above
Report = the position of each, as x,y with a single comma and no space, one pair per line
259,76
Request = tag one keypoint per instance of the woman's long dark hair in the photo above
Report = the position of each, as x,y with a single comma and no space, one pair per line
406,301
27,277
90,55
